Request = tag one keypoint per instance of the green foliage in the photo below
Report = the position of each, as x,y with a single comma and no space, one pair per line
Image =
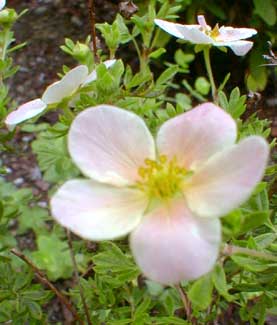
20,300
53,256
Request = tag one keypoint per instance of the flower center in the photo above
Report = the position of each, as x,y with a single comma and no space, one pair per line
161,179
213,33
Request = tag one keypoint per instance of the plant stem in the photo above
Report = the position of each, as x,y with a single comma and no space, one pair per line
91,9
185,301
76,274
43,279
207,60
231,249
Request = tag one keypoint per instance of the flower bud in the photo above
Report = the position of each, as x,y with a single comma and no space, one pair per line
8,16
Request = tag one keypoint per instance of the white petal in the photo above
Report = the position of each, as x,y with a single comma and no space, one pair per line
191,33
25,112
93,75
2,4
240,48
195,136
169,27
202,22
57,91
229,34
227,179
171,245
96,211
109,144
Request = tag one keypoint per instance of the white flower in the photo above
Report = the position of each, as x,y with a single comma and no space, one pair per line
204,34
169,195
71,82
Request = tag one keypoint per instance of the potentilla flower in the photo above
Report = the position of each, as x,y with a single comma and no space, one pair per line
204,34
169,195
70,84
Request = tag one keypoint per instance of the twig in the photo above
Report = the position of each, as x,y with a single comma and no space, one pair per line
43,279
76,274
232,249
91,9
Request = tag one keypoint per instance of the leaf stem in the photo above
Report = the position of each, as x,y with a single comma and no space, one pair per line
43,279
232,249
207,60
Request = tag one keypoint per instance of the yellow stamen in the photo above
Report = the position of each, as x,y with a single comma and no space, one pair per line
162,179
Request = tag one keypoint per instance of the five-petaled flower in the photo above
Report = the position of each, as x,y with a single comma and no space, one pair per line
204,34
169,195
69,85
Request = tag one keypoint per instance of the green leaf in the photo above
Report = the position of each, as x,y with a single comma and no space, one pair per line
156,54
53,256
34,309
266,10
202,85
115,267
249,263
200,293
53,158
220,283
167,75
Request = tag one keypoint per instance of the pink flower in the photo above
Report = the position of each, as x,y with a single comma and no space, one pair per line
169,195
71,82
204,34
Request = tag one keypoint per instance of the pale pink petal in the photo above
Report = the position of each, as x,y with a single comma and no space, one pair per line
2,4
202,22
191,33
227,179
169,27
70,83
240,48
25,112
235,34
171,244
194,136
97,211
93,75
109,144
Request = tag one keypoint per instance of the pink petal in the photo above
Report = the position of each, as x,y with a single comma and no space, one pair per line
171,244
109,144
202,22
227,179
240,48
25,112
66,86
96,211
194,136
235,34
93,75
191,33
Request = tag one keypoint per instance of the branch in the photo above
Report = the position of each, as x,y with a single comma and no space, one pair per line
43,279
